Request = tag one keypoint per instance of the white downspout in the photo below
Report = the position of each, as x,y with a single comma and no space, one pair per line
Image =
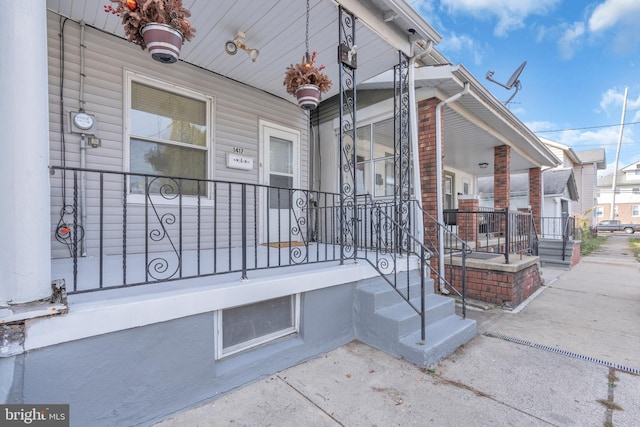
439,168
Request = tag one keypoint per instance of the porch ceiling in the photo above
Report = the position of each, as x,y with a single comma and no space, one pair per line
477,122
277,29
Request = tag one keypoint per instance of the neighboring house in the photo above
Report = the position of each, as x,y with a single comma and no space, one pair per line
208,231
586,173
559,190
585,164
625,198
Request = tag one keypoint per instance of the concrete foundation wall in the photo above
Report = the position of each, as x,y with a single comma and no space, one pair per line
137,376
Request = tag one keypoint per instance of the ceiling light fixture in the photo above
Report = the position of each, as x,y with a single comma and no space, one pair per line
483,165
232,46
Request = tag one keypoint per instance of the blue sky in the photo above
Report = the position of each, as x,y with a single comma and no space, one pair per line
580,57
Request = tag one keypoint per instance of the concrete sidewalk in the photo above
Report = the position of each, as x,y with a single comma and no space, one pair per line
569,357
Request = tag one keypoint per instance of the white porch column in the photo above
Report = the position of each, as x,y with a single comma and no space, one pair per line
25,251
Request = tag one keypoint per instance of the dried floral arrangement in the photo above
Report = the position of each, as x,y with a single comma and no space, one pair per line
305,72
136,14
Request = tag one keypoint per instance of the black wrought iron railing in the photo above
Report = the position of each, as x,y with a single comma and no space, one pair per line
141,228
393,242
563,228
454,251
558,227
496,231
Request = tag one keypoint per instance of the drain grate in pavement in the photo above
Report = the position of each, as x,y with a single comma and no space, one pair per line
563,352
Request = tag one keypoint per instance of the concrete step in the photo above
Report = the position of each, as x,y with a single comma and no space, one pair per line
375,293
385,321
403,320
556,263
441,339
555,254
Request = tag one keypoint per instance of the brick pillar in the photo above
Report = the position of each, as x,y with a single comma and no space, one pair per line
427,165
535,196
501,176
468,223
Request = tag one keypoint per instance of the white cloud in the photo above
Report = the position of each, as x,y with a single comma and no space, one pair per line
611,102
458,44
611,12
619,17
601,137
427,9
509,14
541,126
570,40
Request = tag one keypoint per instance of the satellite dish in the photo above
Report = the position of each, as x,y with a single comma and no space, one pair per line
512,82
516,74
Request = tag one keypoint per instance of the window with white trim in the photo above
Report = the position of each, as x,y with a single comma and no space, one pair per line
635,210
375,159
243,327
600,211
169,135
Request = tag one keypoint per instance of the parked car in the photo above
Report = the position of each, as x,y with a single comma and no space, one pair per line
615,225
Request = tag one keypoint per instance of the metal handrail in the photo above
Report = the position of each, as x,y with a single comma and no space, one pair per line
462,248
414,247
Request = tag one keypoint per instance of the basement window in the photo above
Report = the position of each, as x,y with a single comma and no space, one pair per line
246,326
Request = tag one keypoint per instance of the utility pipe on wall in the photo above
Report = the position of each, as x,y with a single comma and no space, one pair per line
83,151
439,204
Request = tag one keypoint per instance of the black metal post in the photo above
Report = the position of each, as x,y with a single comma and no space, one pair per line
507,241
244,231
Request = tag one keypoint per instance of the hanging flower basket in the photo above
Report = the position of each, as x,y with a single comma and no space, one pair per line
308,96
158,25
163,42
306,82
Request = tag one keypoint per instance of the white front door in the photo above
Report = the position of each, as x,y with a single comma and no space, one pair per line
280,161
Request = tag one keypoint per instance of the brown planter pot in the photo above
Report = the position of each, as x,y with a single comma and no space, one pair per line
308,96
163,42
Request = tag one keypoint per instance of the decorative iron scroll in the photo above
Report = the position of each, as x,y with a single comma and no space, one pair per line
348,187
402,147
300,226
160,268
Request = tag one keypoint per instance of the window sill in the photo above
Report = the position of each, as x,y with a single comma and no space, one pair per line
156,199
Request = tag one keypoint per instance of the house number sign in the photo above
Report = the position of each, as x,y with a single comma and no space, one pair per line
237,161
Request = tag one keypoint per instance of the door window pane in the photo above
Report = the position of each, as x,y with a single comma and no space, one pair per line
279,198
281,155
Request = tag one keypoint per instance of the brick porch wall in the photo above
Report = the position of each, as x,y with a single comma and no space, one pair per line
427,165
503,288
575,254
535,196
501,176
468,224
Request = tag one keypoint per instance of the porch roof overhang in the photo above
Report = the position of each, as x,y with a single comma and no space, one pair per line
478,122
277,29
475,123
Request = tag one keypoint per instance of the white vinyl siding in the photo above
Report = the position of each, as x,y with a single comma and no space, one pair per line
236,112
